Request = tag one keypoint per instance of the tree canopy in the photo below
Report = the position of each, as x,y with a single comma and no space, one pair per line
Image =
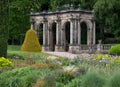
107,13
4,16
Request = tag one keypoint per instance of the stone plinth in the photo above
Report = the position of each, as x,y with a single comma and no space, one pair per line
45,48
74,49
59,48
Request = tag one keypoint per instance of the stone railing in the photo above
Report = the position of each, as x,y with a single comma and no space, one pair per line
84,47
107,46
100,48
103,48
88,48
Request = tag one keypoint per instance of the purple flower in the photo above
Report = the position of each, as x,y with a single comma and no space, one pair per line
104,60
16,57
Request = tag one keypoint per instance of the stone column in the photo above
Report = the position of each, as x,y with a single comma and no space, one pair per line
62,39
72,35
79,32
32,21
62,36
72,31
58,28
79,35
45,34
94,33
37,30
90,40
59,36
48,31
76,32
51,48
89,36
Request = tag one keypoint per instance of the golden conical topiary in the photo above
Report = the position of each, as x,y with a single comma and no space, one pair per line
31,43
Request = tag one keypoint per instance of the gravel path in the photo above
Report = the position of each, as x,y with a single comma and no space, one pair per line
64,54
71,56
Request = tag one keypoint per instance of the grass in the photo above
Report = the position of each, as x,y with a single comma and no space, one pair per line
14,50
14,47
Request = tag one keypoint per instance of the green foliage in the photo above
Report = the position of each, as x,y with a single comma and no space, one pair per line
63,77
31,43
3,45
74,83
5,62
19,19
84,4
19,80
92,80
4,13
49,80
107,16
114,50
21,77
99,57
115,80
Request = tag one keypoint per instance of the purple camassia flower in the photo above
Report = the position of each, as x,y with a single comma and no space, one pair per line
16,57
104,60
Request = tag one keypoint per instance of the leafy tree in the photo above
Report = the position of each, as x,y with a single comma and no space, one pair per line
84,4
107,16
87,4
4,11
19,17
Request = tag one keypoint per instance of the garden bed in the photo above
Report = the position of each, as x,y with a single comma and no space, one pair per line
43,70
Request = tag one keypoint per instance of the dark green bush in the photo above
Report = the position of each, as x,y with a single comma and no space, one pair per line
92,80
115,80
114,50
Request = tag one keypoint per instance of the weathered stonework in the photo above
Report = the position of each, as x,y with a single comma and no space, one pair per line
60,18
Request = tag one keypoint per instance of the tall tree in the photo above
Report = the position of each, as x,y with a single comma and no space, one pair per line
4,14
84,4
107,15
19,17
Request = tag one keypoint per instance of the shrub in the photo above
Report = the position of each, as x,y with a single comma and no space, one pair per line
22,77
5,62
92,80
49,81
31,43
99,57
74,83
114,50
115,80
63,77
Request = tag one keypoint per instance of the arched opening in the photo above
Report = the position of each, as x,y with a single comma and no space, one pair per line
53,37
83,33
67,35
40,33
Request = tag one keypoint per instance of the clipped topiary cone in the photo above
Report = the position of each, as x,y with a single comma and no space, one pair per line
31,43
